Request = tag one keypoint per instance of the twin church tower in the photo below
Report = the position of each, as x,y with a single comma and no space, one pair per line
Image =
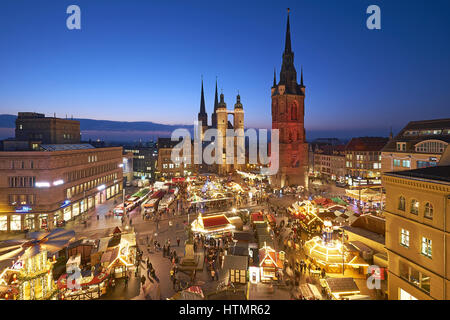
288,113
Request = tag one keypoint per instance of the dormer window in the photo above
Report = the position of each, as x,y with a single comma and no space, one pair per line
401,146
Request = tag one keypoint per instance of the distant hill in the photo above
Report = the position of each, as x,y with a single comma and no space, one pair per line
105,129
146,130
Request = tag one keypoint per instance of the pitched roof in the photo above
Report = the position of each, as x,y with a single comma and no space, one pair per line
417,131
337,285
235,262
366,144
215,221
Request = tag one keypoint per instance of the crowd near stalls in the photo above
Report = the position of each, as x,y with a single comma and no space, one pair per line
27,265
369,199
309,215
208,193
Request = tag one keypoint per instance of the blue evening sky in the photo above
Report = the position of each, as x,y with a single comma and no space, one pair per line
138,60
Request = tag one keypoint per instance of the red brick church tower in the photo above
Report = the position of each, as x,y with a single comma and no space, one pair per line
288,114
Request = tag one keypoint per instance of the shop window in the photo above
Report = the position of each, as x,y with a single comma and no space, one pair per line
3,223
16,223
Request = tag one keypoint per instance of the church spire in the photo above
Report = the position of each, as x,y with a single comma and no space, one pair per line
287,46
274,78
216,99
288,74
202,115
202,101
301,77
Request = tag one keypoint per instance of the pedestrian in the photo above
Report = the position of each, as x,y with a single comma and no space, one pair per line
174,282
178,241
212,274
164,250
131,221
126,280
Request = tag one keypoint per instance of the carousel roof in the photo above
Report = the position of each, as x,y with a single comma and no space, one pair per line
35,243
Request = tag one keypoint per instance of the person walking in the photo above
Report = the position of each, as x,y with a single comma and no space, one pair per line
212,274
174,282
126,281
143,281
164,250
178,241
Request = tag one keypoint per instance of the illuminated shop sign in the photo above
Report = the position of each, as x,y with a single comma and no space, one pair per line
24,209
65,203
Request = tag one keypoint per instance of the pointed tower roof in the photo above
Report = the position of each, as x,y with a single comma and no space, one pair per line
202,101
216,99
274,78
287,45
288,74
301,77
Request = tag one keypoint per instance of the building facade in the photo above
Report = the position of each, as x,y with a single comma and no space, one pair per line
329,162
220,122
43,189
418,145
144,160
166,168
417,215
288,114
363,159
50,130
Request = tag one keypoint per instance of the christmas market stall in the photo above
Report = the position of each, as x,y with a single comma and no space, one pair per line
212,226
306,215
82,284
30,274
341,288
118,252
270,264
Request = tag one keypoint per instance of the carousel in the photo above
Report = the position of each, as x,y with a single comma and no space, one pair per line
30,276
331,254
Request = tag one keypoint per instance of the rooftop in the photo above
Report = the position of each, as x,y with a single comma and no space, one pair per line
438,173
64,147
417,131
366,144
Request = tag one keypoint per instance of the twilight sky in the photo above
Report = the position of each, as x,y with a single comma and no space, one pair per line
138,60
